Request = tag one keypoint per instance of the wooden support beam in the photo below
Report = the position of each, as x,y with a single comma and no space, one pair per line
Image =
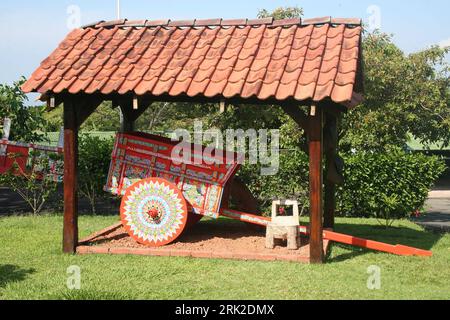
70,227
297,115
329,205
129,115
76,111
315,140
84,108
330,136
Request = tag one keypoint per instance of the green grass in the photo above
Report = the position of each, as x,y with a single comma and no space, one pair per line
33,267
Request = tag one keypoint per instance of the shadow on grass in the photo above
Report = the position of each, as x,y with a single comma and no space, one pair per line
393,235
86,294
11,273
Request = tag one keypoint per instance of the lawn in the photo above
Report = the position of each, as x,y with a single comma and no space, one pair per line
33,267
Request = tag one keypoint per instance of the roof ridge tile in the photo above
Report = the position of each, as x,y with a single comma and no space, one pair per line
315,21
287,22
182,23
234,22
260,21
270,21
134,23
157,23
92,24
111,23
208,22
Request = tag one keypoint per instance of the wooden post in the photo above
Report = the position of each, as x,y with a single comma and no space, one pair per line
70,228
329,205
315,185
126,123
330,137
76,111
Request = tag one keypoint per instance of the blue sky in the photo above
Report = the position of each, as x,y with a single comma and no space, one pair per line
30,30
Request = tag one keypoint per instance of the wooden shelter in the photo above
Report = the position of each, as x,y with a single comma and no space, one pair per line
291,62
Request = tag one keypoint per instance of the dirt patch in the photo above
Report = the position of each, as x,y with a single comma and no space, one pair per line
213,238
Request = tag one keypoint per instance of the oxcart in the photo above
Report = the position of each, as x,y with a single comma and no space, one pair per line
167,186
23,158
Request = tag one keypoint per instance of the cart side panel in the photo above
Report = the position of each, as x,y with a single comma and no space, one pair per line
137,156
13,154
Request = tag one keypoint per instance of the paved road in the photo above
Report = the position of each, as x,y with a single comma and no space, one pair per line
437,216
11,203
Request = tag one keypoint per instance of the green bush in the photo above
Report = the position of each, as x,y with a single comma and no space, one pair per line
93,165
291,181
390,185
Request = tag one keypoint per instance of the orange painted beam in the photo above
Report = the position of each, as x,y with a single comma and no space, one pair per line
375,245
334,236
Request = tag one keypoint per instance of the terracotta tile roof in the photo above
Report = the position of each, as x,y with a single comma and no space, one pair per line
313,59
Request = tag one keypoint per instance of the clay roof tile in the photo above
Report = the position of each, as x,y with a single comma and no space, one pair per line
258,58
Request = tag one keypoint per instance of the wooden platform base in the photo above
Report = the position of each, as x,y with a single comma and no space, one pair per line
211,239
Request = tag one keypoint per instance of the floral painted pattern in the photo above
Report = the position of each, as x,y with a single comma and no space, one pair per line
153,212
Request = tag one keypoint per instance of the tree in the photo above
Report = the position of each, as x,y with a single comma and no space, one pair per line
281,13
27,122
404,95
166,116
104,118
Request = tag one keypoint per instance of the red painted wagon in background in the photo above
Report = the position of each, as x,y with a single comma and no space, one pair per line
23,158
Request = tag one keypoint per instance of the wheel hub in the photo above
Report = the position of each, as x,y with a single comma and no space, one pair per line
154,214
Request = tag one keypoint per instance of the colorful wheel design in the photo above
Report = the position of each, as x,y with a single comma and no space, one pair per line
153,211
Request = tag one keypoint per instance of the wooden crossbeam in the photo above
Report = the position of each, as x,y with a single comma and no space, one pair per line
130,114
297,115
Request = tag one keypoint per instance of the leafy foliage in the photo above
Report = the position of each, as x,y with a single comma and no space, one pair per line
281,13
388,185
404,94
104,118
26,121
292,178
93,165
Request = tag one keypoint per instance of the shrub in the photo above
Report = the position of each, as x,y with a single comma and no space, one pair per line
389,185
93,165
291,180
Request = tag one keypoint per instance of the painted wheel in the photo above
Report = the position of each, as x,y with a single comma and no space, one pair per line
153,212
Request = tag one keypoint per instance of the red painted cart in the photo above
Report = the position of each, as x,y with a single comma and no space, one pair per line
167,186
26,158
